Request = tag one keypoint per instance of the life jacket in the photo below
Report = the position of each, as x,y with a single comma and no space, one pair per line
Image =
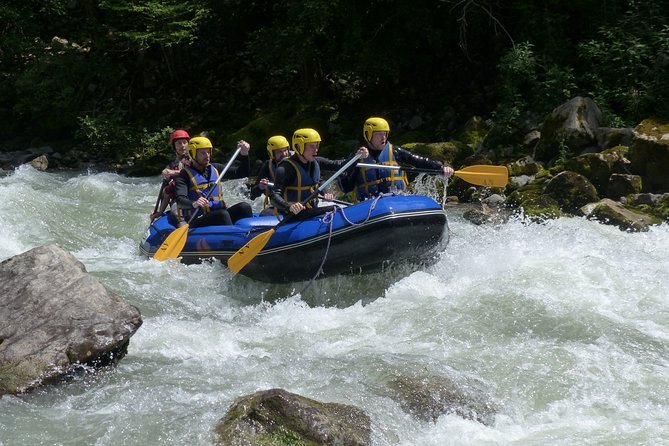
372,182
304,186
170,188
199,187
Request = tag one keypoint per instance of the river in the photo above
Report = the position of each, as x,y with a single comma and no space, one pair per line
565,322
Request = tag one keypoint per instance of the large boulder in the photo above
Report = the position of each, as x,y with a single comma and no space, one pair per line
55,318
568,128
276,416
649,154
571,190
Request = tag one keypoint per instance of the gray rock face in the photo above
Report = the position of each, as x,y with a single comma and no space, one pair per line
429,397
572,124
279,417
55,317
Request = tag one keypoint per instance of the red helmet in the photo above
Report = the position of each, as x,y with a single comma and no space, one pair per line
179,134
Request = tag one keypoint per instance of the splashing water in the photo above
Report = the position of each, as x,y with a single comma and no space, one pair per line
566,322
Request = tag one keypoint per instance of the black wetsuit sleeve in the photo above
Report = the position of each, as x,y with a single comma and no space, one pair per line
255,191
403,156
285,175
181,189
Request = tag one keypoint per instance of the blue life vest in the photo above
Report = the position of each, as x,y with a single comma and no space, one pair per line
304,186
199,187
373,182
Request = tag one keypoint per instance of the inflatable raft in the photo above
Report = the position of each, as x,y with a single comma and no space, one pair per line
358,238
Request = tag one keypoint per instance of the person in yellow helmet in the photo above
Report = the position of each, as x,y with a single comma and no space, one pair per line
196,180
278,148
370,182
298,175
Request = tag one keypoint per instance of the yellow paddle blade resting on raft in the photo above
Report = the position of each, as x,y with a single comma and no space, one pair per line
480,175
247,252
175,242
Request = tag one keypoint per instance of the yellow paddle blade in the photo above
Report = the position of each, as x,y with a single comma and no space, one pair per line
173,244
483,175
247,252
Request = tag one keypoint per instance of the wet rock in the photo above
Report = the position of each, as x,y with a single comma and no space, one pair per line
613,213
429,397
622,185
276,416
55,318
608,137
598,167
524,166
571,190
40,163
10,160
649,154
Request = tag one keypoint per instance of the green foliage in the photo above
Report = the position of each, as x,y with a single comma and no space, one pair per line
139,66
161,22
108,138
528,90
628,64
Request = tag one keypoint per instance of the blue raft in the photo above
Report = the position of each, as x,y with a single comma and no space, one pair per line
358,238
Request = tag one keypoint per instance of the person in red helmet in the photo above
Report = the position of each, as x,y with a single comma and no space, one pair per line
179,142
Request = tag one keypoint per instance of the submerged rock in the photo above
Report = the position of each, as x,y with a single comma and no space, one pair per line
56,318
429,397
279,417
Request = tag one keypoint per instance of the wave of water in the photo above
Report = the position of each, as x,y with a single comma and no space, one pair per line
566,323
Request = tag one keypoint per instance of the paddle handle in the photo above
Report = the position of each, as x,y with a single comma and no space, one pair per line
160,195
322,187
218,180
406,169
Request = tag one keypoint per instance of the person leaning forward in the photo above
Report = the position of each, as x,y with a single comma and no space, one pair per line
298,176
369,182
278,148
179,143
196,180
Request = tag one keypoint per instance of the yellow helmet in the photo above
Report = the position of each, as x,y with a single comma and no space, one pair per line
374,125
303,136
275,143
199,142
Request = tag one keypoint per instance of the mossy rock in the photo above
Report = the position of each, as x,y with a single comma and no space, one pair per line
404,138
596,167
649,154
571,190
661,208
541,207
257,131
524,166
614,213
474,132
450,152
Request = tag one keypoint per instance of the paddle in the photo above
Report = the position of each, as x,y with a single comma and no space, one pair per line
160,195
175,242
480,175
322,197
246,253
